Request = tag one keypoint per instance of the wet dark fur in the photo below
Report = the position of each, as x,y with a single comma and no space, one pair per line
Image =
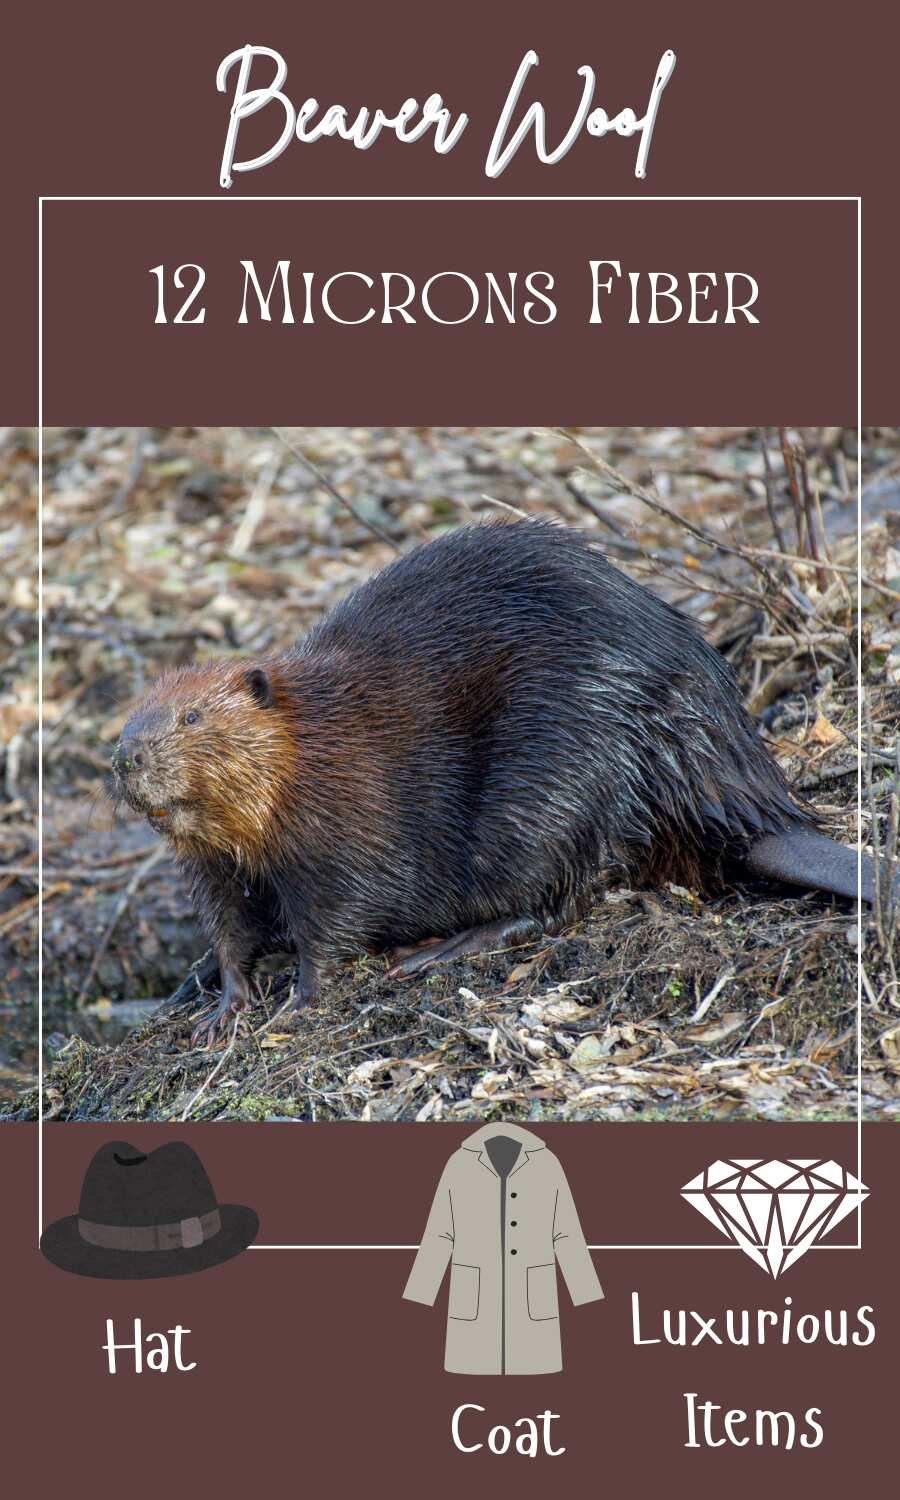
480,731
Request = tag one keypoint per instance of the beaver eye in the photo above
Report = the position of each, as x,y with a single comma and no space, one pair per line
192,716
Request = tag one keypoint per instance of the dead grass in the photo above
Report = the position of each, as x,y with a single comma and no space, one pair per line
600,1022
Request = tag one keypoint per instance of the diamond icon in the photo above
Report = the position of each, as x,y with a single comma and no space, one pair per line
775,1210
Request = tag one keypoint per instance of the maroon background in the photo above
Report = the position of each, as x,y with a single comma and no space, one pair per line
312,1370
564,372
373,1183
773,99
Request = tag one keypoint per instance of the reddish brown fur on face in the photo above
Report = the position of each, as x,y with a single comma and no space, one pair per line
225,775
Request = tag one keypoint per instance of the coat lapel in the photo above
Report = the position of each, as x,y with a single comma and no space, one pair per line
530,1143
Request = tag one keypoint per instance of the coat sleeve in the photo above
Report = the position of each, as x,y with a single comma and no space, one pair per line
570,1248
436,1248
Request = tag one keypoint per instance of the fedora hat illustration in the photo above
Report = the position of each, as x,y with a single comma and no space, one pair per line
149,1215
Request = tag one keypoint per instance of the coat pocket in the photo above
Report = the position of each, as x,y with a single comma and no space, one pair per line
465,1292
541,1291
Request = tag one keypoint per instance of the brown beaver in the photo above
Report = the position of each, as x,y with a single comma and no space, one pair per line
452,757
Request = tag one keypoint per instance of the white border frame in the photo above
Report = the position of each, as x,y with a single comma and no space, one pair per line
483,198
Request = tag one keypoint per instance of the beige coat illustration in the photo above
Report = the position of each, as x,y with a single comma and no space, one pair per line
503,1218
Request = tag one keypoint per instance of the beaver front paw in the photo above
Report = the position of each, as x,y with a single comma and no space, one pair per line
235,998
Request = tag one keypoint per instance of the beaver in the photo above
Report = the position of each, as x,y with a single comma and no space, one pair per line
453,757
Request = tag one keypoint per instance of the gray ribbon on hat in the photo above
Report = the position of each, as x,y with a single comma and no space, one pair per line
184,1234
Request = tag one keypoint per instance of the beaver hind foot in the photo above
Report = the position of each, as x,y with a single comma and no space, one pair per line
510,932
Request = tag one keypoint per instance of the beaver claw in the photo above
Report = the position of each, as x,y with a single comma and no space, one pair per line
214,1027
234,999
305,986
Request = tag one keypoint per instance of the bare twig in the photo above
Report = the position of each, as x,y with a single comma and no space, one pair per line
724,978
770,495
121,907
830,567
814,538
208,1080
787,452
11,919
503,505
624,486
335,493
135,469
119,503
256,506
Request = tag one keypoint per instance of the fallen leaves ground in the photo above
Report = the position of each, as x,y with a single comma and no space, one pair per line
165,546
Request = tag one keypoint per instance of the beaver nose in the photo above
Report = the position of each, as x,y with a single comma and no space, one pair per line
128,756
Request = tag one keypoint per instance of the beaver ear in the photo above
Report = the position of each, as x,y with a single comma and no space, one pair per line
260,687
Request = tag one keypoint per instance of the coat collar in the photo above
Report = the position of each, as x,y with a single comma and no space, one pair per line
529,1142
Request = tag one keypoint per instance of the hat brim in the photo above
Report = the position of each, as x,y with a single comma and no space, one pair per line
63,1246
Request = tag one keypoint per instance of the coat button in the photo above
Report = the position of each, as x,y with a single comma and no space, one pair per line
513,1223
514,1195
512,1252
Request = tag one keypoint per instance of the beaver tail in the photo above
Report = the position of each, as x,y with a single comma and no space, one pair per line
815,862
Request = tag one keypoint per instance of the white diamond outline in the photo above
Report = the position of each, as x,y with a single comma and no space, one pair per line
709,1191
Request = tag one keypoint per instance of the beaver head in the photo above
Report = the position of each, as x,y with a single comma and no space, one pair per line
207,757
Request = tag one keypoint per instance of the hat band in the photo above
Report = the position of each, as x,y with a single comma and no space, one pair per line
184,1234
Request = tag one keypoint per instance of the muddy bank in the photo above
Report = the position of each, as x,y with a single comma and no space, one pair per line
657,1006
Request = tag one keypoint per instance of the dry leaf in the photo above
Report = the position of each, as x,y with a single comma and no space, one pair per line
558,1009
589,1052
718,1030
823,732
523,971
275,1039
890,1043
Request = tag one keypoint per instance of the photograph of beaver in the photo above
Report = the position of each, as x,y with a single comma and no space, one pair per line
450,761
452,774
